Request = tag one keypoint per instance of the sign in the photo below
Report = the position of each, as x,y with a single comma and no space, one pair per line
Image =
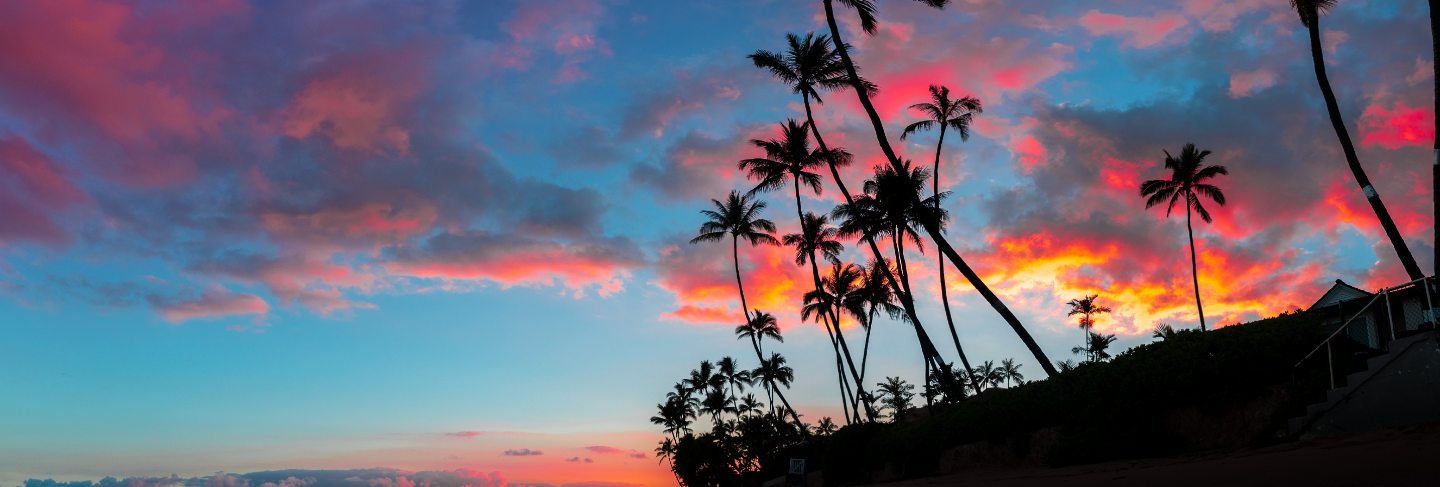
797,466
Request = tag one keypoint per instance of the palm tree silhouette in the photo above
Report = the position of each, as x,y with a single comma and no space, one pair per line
775,373
1163,331
738,217
866,11
1310,12
839,291
734,376
1188,176
1087,309
716,404
895,395
1435,165
876,294
947,114
826,427
1096,346
885,209
808,66
1010,371
762,326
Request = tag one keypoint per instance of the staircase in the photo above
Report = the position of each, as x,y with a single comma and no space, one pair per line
1398,387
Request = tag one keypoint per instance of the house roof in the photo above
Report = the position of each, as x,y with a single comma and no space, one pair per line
1339,293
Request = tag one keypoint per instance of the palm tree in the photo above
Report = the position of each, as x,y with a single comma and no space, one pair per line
877,295
748,405
837,292
704,378
826,427
763,325
895,395
1435,166
1010,371
788,158
1310,12
733,375
1087,309
675,416
666,452
716,404
808,66
1096,347
774,373
1188,176
885,209
1163,331
946,113
738,217
988,375
865,9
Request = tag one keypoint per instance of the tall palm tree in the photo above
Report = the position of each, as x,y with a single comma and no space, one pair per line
1435,164
1010,371
716,404
947,114
1188,176
1310,12
738,217
809,66
839,294
865,9
1087,308
734,376
885,209
774,373
876,294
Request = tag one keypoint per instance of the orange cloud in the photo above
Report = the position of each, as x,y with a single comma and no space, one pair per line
211,303
360,104
1140,32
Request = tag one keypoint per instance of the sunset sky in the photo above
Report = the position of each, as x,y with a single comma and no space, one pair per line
452,235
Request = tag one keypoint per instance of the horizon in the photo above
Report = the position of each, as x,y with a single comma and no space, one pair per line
247,236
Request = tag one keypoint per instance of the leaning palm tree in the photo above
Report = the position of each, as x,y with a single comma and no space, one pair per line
1087,308
1435,165
865,9
837,295
1188,176
947,114
738,217
875,293
808,67
1310,12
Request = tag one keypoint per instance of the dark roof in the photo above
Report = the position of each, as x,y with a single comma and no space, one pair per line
1339,292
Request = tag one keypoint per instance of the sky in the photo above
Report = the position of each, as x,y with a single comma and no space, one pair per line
452,236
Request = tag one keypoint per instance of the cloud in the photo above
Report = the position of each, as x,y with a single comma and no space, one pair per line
34,191
214,302
512,260
579,460
464,434
1397,126
1139,32
1244,83
523,452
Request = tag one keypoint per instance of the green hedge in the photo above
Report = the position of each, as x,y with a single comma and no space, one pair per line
1102,411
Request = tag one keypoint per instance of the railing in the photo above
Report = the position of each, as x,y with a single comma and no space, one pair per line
1389,322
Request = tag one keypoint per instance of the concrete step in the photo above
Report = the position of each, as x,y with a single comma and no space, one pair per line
1353,381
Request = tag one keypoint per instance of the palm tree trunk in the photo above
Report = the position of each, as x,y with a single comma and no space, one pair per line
899,244
930,227
755,342
1194,274
1435,165
865,356
735,253
927,347
1388,224
940,261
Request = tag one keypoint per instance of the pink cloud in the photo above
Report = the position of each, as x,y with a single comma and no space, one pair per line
516,261
1396,127
1220,15
33,188
1029,152
214,302
1246,83
1139,32
360,104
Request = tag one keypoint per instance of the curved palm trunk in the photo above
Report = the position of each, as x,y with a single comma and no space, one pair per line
1388,224
898,244
927,347
1435,165
940,262
1194,274
930,227
735,253
865,356
776,390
